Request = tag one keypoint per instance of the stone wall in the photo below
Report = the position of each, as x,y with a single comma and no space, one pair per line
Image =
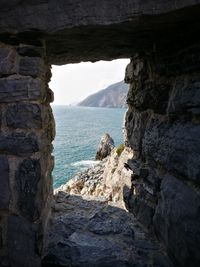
162,121
163,126
26,132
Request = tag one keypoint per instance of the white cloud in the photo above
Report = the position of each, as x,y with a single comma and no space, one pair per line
73,82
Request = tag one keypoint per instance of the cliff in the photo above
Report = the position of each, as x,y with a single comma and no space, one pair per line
114,96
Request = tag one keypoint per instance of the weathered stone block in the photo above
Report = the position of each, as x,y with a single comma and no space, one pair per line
22,242
30,51
24,116
135,127
185,94
175,146
134,69
27,178
31,66
176,221
4,182
17,88
7,61
18,144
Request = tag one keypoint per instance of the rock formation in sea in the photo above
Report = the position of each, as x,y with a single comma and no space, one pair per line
105,147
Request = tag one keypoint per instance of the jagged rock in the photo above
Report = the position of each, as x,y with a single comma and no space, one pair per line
89,182
163,130
177,216
87,232
108,178
105,147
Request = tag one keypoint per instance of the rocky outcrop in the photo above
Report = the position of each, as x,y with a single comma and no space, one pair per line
114,96
105,147
87,183
106,179
90,225
87,232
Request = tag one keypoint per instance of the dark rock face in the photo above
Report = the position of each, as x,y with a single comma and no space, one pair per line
26,132
7,61
177,220
24,116
163,129
4,181
114,29
16,88
27,178
18,144
22,242
87,232
105,147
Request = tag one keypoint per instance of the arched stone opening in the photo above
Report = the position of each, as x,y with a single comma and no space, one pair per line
162,122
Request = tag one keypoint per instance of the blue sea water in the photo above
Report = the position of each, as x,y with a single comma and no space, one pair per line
78,133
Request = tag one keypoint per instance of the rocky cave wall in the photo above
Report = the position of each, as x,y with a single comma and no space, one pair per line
162,39
163,128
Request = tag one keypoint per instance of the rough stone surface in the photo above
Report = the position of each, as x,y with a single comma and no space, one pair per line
162,128
22,246
7,61
18,144
107,179
27,130
31,66
105,147
24,116
162,39
4,181
17,88
88,232
177,221
27,179
89,182
114,29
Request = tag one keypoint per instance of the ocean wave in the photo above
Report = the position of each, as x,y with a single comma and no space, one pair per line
86,163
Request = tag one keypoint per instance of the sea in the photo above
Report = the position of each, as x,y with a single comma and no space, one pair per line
78,134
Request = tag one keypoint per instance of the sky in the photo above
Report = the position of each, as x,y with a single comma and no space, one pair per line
73,82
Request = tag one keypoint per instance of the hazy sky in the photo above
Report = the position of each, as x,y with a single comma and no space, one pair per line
73,82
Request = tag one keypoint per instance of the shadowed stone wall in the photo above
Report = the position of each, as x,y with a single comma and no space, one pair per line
163,128
27,129
162,38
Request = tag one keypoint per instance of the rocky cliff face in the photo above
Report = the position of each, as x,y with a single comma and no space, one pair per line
163,129
114,96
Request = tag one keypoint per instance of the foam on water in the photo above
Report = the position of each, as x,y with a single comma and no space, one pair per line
85,163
